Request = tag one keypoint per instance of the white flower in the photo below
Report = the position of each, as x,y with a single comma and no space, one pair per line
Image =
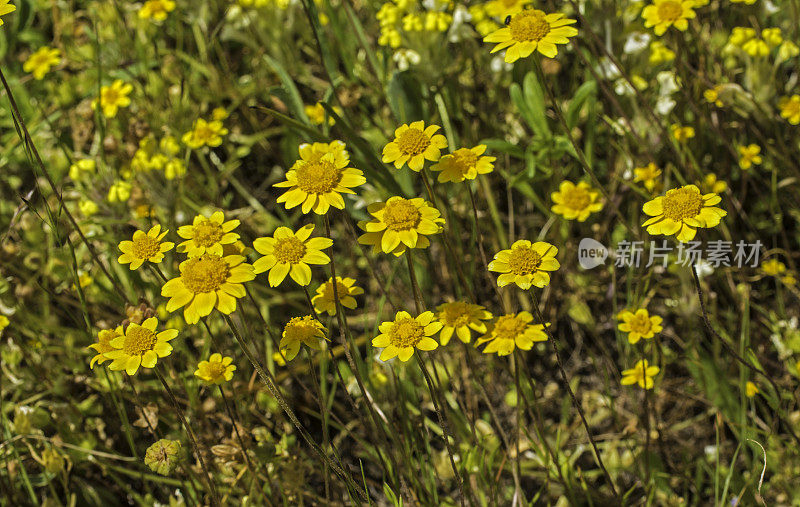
664,105
667,83
498,63
460,28
636,42
404,58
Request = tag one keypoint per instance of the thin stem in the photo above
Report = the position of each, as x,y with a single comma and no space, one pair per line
517,464
414,285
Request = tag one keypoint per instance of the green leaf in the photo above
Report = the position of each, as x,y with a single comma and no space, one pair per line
586,91
295,102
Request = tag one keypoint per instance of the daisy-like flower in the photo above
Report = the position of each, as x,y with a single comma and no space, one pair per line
113,97
639,325
290,253
40,62
217,370
663,14
525,264
647,175
680,133
459,317
400,223
413,145
301,330
749,156
464,164
576,202
750,389
140,345
5,8
531,30
641,373
146,246
790,109
503,8
319,178
681,212
510,331
205,133
345,288
156,10
405,333
316,114
207,282
207,235
103,344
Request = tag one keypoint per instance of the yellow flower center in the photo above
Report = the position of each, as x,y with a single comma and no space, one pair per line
455,314
146,247
406,332
341,289
138,340
524,260
682,203
508,327
110,96
289,250
205,274
401,215
464,159
215,370
413,142
578,198
318,176
207,233
529,25
670,10
640,324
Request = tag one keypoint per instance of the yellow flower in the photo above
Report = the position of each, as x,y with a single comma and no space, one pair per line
641,373
299,330
749,156
400,223
413,144
103,344
503,8
576,201
756,48
4,322
290,253
207,282
319,178
510,331
207,235
790,109
741,34
525,264
787,50
205,133
156,10
278,358
316,114
639,325
217,370
681,212
747,2
113,97
531,30
711,184
84,280
459,317
437,21
647,175
140,345
5,8
175,168
324,300
712,95
144,247
39,63
659,53
773,267
789,279
412,23
87,207
464,164
219,114
772,36
119,191
680,133
405,333
750,389
81,168
389,37
663,14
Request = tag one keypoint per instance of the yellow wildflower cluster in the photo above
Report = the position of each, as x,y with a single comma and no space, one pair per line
403,20
159,155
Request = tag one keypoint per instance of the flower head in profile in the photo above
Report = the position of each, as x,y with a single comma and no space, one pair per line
641,373
205,133
749,156
525,264
217,370
156,10
103,344
750,389
681,212
207,282
145,246
140,345
464,164
319,178
461,318
639,324
316,114
119,191
290,253
414,144
301,330
207,235
681,133
113,97
790,109
40,62
662,14
4,322
405,333
510,331
82,167
324,301
532,30
576,202
660,53
400,223
647,175
712,95
5,8
712,184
